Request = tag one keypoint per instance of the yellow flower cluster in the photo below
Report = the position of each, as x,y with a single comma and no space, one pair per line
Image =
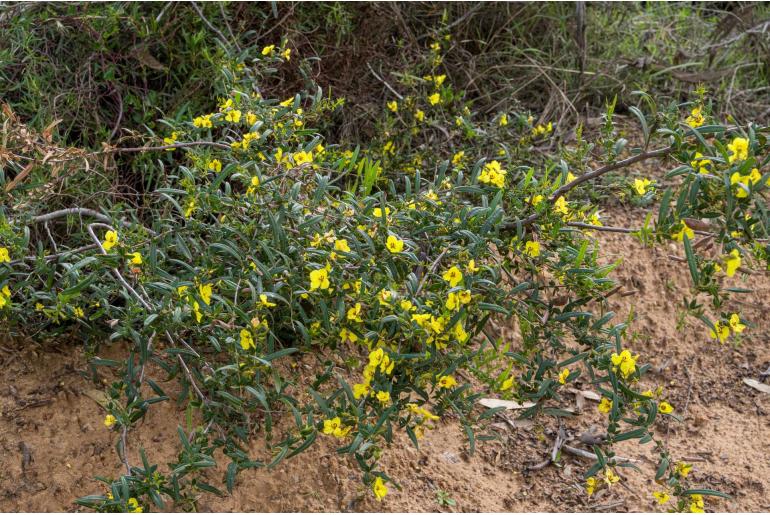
696,117
700,163
336,428
493,174
542,130
721,331
593,483
744,182
378,360
625,363
739,149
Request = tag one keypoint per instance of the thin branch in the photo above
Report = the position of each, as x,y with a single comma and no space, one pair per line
210,26
563,190
120,150
384,82
625,230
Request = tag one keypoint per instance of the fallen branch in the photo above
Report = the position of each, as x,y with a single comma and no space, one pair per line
591,456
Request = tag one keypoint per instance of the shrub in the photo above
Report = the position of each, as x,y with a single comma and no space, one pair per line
385,262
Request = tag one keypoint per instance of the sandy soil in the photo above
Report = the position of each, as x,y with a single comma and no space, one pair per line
52,441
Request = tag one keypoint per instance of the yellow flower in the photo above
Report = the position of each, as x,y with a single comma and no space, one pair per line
205,291
697,505
460,333
535,200
302,157
110,240
203,121
419,115
254,184
341,245
335,428
197,312
377,212
732,262
739,149
641,185
434,99
507,384
170,140
661,497
610,477
563,375
591,486
394,244
605,406
453,276
379,488
696,117
389,147
471,267
464,296
735,323
133,506
110,421
684,231
319,279
268,50
393,106
700,163
361,390
189,208
446,382
348,336
233,116
383,397
452,302
354,313
683,469
384,297
560,206
665,408
532,249
264,301
78,311
247,340
5,256
286,54
136,258
743,183
215,165
720,332
624,362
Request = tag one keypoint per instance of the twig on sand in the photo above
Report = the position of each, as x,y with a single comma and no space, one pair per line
591,456
561,437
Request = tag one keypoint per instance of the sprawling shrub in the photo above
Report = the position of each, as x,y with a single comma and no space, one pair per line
385,262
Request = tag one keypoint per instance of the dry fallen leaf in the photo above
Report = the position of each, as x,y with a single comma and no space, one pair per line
588,394
500,403
762,387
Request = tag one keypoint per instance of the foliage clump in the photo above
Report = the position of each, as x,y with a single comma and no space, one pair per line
386,263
